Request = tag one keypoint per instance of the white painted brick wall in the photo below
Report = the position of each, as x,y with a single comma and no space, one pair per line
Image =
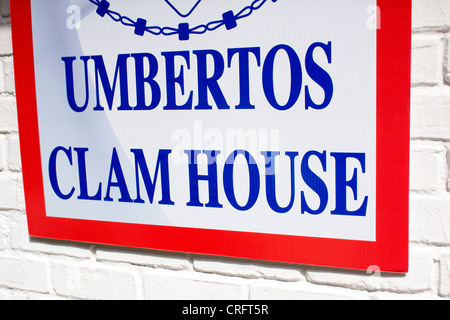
427,54
44,269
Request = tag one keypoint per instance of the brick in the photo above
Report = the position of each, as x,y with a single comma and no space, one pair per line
430,219
26,295
418,279
3,152
427,58
8,114
21,241
4,232
8,75
6,42
14,161
448,167
447,61
186,287
428,170
385,296
247,269
2,77
4,8
23,274
292,291
9,188
171,261
444,270
431,14
88,281
20,193
430,114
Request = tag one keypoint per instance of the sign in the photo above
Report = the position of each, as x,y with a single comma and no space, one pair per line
272,130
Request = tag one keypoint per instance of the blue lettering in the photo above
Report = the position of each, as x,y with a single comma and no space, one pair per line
342,184
70,87
320,76
141,80
314,182
211,178
296,77
171,80
210,69
82,174
109,90
228,180
270,181
52,172
211,83
162,166
116,179
120,183
244,73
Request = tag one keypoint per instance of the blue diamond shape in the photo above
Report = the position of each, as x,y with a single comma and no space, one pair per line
184,15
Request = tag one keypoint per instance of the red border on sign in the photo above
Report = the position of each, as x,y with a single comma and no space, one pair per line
389,252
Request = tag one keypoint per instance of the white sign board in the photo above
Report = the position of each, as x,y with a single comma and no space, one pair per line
240,116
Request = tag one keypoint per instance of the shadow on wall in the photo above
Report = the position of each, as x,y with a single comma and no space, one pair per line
4,8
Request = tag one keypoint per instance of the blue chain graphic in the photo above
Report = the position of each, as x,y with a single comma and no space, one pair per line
178,12
184,31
